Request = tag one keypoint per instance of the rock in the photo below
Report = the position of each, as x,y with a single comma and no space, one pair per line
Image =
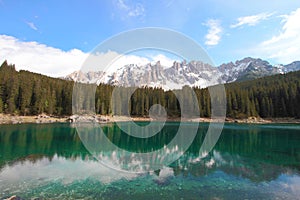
43,116
83,118
14,197
102,119
88,118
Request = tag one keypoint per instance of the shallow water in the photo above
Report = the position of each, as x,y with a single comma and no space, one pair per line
248,162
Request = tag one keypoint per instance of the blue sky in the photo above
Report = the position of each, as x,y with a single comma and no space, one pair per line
227,30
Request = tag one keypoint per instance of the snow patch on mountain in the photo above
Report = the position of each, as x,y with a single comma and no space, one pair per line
194,73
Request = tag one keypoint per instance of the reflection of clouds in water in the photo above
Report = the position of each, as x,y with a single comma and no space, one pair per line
69,170
209,160
295,185
60,169
232,164
27,175
135,162
210,163
290,183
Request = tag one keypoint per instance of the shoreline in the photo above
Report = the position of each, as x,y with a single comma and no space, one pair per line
42,119
37,119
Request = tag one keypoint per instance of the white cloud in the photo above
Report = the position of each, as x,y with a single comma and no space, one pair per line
285,46
251,20
111,61
55,62
215,30
130,9
121,4
32,25
164,61
136,11
39,58
115,60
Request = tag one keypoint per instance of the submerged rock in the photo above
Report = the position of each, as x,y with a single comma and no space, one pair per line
14,197
165,176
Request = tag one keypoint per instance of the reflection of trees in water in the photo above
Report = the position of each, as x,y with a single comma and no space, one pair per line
269,145
251,151
134,144
33,142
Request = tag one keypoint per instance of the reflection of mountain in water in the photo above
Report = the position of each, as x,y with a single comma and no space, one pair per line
36,141
259,153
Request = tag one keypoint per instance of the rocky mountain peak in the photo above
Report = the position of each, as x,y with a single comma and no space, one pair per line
193,73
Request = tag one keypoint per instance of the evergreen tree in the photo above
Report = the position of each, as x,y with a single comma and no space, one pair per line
27,93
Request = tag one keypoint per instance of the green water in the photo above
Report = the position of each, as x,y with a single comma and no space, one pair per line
49,161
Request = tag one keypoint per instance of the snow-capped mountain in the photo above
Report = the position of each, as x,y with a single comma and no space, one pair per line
194,73
249,68
179,74
90,77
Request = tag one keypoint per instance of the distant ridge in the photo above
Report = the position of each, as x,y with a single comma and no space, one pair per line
194,73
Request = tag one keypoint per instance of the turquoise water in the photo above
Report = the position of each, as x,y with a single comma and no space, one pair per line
49,161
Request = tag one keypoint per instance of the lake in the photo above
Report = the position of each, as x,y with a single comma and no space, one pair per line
249,161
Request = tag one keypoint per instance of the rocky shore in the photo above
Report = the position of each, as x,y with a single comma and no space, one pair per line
15,119
43,118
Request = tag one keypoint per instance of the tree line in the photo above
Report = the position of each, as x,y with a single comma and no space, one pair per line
27,93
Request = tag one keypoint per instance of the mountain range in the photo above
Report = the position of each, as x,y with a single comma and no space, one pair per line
27,93
194,73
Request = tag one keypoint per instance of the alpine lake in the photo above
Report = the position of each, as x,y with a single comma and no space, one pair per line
249,161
